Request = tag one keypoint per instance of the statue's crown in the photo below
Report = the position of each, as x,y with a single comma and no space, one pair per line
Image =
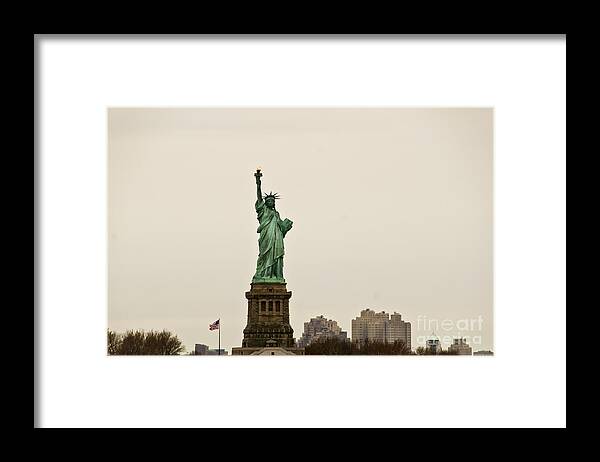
272,195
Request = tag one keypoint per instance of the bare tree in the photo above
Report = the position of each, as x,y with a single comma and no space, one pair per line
113,340
448,352
421,350
140,342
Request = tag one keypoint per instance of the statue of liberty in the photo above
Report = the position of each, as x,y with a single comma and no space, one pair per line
272,229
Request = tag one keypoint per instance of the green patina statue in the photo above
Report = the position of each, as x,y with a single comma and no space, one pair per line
272,229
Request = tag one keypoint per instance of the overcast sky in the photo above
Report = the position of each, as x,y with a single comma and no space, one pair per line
392,210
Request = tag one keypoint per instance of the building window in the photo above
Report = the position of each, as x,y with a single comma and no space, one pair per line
263,305
270,305
277,306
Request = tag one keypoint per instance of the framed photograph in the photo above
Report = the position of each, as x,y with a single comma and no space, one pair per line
376,223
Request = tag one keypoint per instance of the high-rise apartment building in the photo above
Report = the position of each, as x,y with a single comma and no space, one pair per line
380,327
321,328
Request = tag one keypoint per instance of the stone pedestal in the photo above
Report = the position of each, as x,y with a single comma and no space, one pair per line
268,322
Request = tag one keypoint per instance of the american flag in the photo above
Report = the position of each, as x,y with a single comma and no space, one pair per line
214,325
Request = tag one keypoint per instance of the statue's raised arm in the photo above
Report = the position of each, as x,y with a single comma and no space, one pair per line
257,175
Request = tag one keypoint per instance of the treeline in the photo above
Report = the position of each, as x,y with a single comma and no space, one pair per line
140,342
425,351
333,346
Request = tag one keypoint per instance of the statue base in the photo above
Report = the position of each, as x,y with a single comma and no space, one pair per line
261,280
268,322
266,351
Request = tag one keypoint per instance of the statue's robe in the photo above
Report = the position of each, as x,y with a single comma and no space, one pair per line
272,230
